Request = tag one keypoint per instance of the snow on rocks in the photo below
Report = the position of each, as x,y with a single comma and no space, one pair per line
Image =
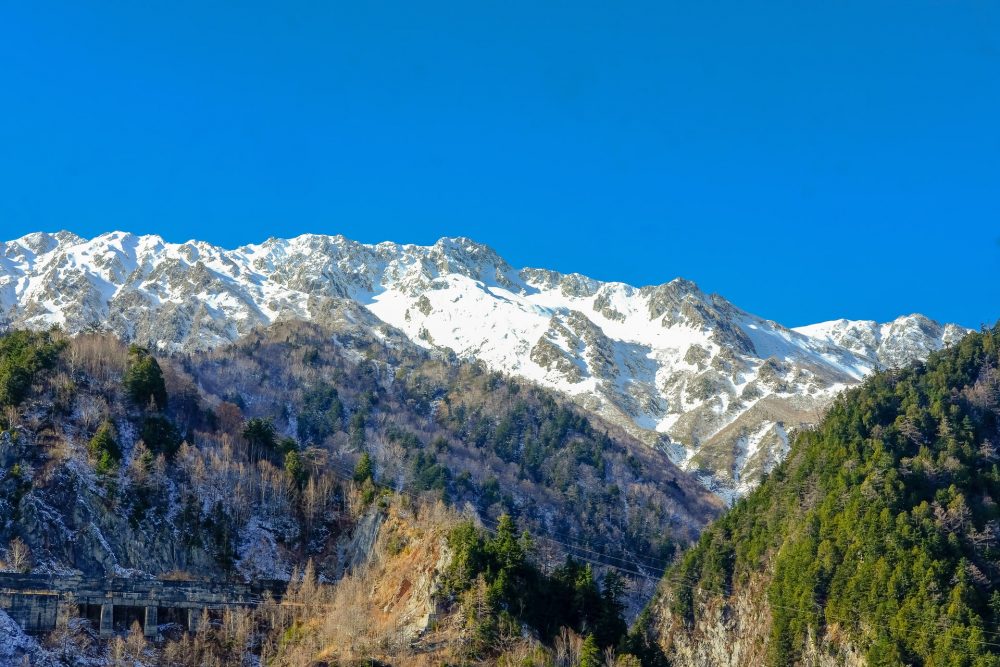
677,367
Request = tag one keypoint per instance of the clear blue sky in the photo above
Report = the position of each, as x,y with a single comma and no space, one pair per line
808,160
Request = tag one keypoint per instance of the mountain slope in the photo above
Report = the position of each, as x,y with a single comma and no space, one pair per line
345,453
717,387
246,463
875,541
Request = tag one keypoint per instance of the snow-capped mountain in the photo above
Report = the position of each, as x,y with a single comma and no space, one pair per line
719,387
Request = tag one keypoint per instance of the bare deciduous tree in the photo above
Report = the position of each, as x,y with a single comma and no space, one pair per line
19,555
568,646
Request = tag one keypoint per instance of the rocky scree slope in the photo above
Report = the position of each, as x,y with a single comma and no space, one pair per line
716,386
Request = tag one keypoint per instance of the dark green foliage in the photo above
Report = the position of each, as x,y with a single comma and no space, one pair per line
408,440
295,469
263,441
439,419
590,654
495,573
368,492
260,433
104,450
364,469
642,645
23,354
609,625
143,379
490,493
322,413
507,549
160,435
356,430
13,488
262,438
547,440
221,528
286,445
882,521
428,474
364,474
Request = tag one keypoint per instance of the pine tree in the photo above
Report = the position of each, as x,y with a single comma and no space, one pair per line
104,449
590,654
506,547
261,436
364,469
143,379
295,469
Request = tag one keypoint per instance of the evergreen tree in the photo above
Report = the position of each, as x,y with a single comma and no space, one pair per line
590,653
322,414
143,379
505,547
876,521
364,469
160,435
513,591
261,437
23,354
295,469
610,624
104,449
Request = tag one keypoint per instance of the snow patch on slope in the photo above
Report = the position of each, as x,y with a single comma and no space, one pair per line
672,364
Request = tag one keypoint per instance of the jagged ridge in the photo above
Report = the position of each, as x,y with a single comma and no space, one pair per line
719,387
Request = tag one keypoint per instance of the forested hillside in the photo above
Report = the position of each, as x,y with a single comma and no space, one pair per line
875,542
428,424
305,448
242,450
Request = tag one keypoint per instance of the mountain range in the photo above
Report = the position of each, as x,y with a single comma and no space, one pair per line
718,388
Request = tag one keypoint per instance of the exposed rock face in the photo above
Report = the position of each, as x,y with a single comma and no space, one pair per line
65,516
729,631
717,386
894,344
734,631
391,590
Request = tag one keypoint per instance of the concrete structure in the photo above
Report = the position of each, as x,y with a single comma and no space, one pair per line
39,602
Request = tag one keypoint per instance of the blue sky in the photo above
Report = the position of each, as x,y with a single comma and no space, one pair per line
807,160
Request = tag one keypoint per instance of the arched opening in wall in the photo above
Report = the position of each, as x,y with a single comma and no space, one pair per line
172,616
91,612
125,616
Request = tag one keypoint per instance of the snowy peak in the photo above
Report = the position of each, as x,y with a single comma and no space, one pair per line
718,387
894,344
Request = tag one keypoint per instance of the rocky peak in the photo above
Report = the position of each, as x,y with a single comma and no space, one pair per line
893,344
718,387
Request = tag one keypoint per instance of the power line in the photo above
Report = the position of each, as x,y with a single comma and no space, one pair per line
690,581
635,561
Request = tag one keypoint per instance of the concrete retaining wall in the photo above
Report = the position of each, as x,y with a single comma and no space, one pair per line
38,602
